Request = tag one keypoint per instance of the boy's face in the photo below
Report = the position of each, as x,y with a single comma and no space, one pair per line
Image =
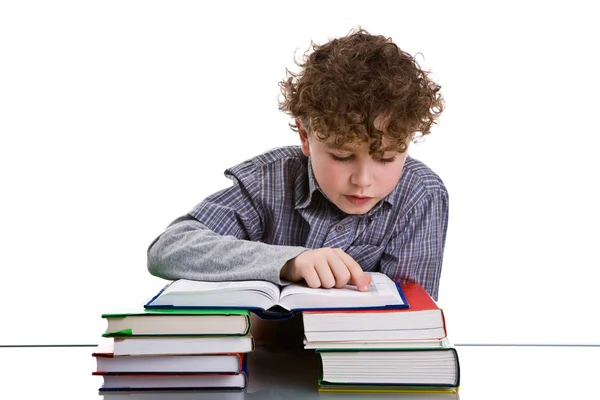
350,177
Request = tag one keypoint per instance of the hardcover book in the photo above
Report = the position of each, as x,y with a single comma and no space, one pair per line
419,368
424,320
158,381
157,345
174,322
109,364
268,300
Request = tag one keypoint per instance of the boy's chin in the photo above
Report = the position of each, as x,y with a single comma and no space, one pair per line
355,210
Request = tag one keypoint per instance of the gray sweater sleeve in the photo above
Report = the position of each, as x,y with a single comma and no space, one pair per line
189,250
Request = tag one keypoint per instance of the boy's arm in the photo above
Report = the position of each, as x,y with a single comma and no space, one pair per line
189,250
221,237
416,252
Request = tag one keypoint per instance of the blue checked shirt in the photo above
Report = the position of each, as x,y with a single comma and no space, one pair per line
275,210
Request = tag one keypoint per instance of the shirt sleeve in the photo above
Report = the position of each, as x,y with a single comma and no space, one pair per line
220,239
416,252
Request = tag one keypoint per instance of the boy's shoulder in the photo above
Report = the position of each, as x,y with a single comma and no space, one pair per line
273,158
417,173
278,154
287,159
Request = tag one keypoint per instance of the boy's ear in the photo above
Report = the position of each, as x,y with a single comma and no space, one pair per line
303,138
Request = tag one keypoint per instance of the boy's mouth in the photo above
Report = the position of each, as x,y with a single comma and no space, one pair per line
357,200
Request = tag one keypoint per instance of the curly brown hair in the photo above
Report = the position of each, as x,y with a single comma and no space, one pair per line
361,87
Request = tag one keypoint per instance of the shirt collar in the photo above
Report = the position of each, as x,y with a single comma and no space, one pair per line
304,198
393,199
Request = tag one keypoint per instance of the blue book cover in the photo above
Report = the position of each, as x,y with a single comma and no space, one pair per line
269,301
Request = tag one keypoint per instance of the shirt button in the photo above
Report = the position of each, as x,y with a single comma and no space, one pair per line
339,228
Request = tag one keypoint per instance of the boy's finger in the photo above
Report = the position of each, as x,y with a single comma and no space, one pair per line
357,276
311,277
339,270
325,274
366,282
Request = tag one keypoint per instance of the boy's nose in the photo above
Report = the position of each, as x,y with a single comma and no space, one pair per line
361,176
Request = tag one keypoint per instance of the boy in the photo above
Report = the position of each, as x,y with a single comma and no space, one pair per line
348,200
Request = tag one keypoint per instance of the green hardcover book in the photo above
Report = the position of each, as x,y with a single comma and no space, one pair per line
426,369
419,392
177,322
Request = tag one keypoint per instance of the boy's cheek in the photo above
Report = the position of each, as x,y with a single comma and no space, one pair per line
332,177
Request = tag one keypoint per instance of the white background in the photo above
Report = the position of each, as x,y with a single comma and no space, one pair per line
118,116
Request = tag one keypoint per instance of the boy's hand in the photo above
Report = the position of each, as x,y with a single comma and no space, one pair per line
326,268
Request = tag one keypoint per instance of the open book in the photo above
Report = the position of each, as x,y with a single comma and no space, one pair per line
261,295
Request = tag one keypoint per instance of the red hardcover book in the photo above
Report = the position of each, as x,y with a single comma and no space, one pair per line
109,364
172,381
423,320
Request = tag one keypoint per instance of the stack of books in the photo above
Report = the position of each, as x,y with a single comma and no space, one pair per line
161,349
195,335
373,350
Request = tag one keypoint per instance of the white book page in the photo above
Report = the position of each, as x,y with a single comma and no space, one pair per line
185,286
381,287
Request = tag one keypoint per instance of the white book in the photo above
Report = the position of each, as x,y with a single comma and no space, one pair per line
262,295
108,363
132,346
376,344
141,382
374,334
177,322
419,367
182,363
178,394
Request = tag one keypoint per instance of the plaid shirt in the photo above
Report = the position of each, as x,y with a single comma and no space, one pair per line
276,200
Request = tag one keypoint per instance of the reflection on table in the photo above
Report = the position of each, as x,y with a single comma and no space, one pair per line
284,370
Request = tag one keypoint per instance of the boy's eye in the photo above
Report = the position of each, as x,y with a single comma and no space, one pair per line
387,160
341,158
